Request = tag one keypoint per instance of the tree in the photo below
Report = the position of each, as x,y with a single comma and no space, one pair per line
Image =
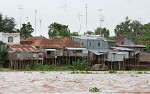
2,53
26,30
146,30
74,34
56,29
7,24
133,29
124,28
102,31
89,33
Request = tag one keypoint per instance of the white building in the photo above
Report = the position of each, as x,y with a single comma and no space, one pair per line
10,38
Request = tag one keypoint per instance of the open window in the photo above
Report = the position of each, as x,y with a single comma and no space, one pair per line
10,39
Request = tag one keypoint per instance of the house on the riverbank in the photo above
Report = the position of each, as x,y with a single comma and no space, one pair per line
19,56
124,41
94,42
10,38
65,50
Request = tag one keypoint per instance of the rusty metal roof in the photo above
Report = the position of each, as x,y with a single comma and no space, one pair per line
22,48
120,39
67,42
58,43
44,42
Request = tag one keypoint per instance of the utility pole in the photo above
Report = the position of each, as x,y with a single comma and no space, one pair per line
65,7
86,16
65,14
27,19
79,16
100,22
35,21
20,8
40,24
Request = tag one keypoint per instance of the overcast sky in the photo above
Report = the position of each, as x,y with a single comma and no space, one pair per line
49,11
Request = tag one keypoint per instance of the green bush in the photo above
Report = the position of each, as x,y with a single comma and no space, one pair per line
95,89
27,68
139,72
39,67
80,65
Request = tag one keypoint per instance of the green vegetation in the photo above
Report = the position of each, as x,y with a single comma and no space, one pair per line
56,29
98,31
139,72
2,54
27,68
39,67
95,89
7,24
136,31
81,72
112,71
103,31
59,30
80,64
26,30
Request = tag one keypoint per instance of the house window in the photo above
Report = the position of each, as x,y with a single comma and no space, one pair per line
98,44
49,52
10,39
90,44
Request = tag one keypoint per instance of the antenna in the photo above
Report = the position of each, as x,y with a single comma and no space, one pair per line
20,8
40,24
27,18
79,16
65,9
35,21
86,16
100,22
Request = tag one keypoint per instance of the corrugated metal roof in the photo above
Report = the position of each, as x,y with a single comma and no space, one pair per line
22,48
133,46
120,39
67,42
50,49
121,48
73,48
101,51
97,52
89,37
44,42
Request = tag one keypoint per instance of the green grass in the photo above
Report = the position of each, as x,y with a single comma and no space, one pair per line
112,71
81,72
